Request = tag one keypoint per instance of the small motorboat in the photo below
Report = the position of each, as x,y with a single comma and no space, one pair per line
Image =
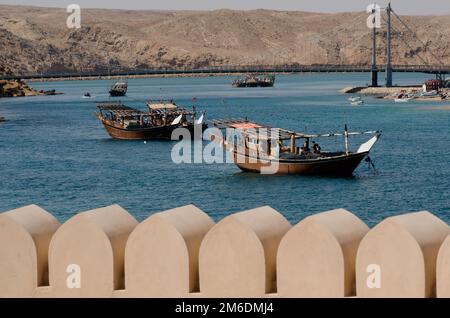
433,93
87,95
354,98
357,102
403,99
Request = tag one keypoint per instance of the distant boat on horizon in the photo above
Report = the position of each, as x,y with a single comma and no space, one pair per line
119,88
253,80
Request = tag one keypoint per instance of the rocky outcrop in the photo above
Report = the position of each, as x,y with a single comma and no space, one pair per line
18,88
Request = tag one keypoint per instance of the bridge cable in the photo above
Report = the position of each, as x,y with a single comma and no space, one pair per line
417,37
408,45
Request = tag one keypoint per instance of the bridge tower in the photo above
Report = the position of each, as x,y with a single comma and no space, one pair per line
374,71
388,47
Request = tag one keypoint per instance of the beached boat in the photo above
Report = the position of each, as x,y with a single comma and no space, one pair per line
432,93
403,100
404,97
119,88
259,148
158,122
253,80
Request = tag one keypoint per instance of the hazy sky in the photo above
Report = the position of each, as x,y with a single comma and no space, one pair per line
413,7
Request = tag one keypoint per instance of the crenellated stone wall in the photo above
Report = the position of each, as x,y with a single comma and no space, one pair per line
257,253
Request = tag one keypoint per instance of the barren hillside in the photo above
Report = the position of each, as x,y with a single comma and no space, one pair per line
37,39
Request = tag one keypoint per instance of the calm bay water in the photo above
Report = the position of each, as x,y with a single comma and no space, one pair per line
54,153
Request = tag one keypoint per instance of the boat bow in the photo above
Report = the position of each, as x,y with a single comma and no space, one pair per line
367,146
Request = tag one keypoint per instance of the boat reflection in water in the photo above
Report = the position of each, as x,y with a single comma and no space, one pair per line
259,148
158,122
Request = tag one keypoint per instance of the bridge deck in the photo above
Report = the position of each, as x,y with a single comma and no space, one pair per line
326,68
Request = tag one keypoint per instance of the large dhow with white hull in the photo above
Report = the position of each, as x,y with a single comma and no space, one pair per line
260,148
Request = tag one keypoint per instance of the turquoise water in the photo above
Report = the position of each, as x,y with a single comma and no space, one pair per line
54,153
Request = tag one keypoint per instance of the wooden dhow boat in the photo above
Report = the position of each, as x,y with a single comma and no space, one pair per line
158,122
259,148
119,88
253,80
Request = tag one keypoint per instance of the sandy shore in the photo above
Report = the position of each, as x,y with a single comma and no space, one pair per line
394,92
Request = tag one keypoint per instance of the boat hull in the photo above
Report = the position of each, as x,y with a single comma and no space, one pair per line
343,165
113,93
252,85
154,133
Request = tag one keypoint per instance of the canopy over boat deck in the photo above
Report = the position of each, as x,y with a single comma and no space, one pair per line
260,131
119,109
167,108
162,106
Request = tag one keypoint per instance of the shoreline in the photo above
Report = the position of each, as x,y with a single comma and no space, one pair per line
20,88
392,93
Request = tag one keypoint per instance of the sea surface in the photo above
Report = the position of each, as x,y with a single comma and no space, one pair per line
56,154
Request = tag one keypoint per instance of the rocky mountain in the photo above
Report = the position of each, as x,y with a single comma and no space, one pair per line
35,40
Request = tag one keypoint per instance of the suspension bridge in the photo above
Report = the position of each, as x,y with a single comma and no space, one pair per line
399,41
